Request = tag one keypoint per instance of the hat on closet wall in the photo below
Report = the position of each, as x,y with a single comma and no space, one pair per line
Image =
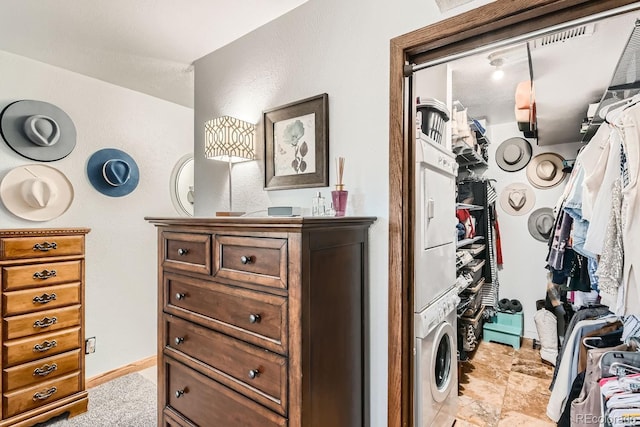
38,130
517,199
545,170
36,192
513,154
541,224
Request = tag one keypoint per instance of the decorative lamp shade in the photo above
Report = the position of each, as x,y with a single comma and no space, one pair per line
229,139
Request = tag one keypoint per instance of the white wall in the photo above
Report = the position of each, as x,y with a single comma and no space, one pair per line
333,46
121,247
523,275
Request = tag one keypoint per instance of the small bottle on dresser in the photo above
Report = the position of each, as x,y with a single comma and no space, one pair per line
317,205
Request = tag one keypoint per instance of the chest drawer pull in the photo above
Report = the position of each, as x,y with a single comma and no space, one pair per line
45,346
180,296
46,322
254,318
179,340
45,370
182,251
43,395
44,274
246,259
253,374
45,298
180,393
45,246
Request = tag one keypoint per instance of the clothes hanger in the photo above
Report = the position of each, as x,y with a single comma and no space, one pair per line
587,342
617,107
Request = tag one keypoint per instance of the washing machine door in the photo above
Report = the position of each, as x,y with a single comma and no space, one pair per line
436,380
443,362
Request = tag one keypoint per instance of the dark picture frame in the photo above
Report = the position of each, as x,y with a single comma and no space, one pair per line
296,144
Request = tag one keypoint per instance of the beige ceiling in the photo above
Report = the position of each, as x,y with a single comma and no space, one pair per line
568,76
144,45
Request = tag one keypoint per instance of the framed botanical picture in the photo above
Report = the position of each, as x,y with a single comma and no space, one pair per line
297,144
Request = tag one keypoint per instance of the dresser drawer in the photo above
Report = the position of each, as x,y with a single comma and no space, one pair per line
44,274
40,370
25,350
187,252
206,402
42,321
38,247
256,317
257,260
260,375
29,300
25,399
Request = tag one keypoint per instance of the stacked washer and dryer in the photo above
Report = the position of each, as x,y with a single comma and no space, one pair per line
435,293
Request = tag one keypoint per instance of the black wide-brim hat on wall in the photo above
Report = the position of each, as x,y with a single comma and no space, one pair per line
38,130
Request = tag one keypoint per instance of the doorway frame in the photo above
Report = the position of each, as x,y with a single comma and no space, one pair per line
494,22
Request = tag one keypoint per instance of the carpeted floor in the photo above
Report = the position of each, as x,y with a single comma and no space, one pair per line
127,401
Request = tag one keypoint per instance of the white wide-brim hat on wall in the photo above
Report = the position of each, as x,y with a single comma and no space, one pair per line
545,170
36,192
513,154
517,198
113,172
541,224
38,130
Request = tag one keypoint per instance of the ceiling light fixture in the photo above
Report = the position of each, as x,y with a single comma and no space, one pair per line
498,73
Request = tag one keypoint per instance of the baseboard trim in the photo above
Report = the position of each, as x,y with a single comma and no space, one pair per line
119,372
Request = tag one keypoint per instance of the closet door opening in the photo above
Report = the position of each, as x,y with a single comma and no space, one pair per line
507,31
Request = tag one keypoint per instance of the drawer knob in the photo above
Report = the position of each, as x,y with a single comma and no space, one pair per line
45,370
254,318
179,340
43,395
45,246
45,346
253,374
182,252
246,259
180,296
45,323
45,298
44,274
179,393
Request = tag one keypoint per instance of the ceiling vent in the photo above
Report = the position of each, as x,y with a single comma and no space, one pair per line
563,36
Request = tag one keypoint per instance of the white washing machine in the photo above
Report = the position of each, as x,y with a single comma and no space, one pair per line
436,363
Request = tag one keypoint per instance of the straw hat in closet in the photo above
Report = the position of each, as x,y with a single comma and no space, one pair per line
36,192
545,170
517,199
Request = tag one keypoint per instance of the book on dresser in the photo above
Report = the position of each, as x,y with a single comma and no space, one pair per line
43,373
262,321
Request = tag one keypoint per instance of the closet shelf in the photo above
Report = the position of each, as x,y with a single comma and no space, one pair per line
475,266
465,242
475,249
475,288
468,207
620,87
467,156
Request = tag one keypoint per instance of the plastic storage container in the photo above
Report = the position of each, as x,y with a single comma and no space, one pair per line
432,116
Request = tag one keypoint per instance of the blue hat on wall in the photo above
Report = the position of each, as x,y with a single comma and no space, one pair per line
113,172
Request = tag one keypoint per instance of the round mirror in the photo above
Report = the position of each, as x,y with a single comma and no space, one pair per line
181,184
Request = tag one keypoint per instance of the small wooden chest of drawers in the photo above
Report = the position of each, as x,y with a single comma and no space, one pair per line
42,277
261,321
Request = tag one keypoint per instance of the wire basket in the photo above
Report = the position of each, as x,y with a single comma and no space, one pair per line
432,115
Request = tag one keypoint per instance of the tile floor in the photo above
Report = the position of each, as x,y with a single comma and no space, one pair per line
504,387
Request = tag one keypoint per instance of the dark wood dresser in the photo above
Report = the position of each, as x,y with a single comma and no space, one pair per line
262,321
42,273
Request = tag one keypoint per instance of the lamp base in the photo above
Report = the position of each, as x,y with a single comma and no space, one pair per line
227,213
